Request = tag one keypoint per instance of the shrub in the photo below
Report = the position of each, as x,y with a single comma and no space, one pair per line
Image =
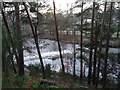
14,81
34,69
48,70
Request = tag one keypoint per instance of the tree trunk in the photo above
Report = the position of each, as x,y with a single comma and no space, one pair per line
91,46
119,80
95,56
12,61
50,31
81,39
9,33
107,43
118,23
67,32
57,36
74,55
36,42
100,45
11,55
20,43
84,70
118,29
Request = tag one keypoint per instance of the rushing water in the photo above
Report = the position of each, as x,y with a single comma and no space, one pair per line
50,54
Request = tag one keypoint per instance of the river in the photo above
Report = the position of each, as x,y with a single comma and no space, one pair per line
50,55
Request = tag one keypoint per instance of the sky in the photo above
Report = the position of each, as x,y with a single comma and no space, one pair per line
65,5
62,4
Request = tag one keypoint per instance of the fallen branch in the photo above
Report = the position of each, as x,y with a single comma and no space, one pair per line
45,81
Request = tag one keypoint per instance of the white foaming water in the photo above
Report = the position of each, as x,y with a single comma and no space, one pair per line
50,55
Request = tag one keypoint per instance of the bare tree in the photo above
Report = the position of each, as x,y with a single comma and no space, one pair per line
91,46
57,36
36,41
20,43
107,43
95,55
11,40
12,61
118,30
100,44
118,21
74,55
81,39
